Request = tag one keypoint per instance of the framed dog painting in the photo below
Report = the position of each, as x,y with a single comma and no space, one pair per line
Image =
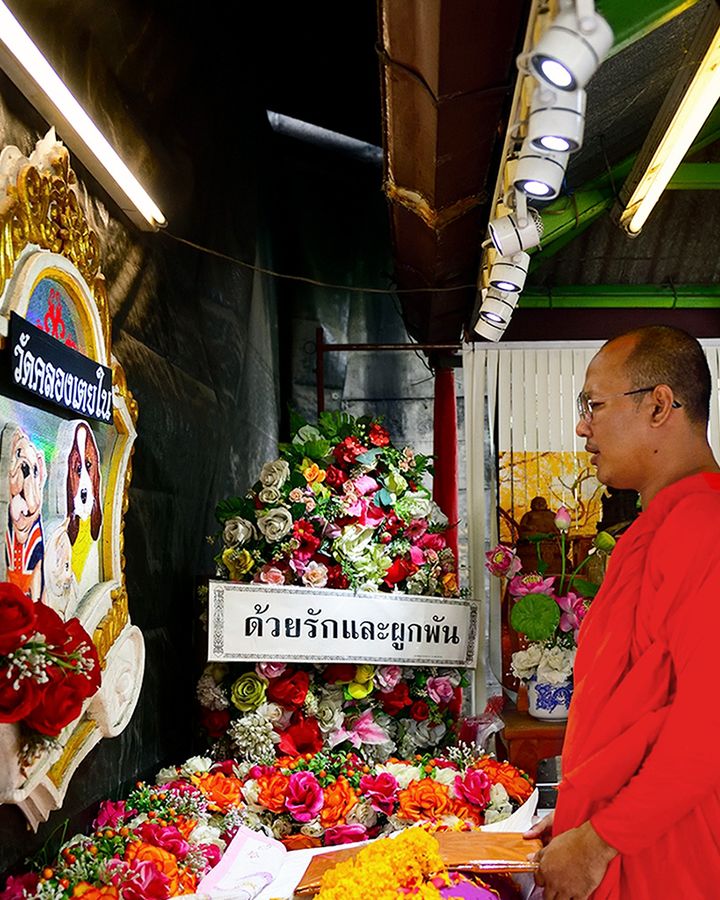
67,427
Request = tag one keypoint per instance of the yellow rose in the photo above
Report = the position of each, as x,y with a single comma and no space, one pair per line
359,690
237,562
312,472
248,692
364,673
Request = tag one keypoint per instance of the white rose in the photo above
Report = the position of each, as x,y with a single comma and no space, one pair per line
556,665
196,764
402,773
164,776
498,795
238,531
315,575
274,474
269,495
362,814
313,828
525,662
281,827
445,776
329,716
251,793
273,712
275,524
354,541
207,834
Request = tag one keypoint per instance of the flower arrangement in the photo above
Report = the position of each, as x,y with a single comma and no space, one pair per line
340,508
48,668
547,611
162,839
279,709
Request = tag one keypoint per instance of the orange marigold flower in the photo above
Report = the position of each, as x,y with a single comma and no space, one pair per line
300,842
340,798
90,892
272,791
163,860
424,799
223,791
518,786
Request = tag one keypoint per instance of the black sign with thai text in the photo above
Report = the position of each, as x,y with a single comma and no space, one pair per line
49,369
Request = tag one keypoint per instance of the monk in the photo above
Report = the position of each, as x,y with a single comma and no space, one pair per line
638,809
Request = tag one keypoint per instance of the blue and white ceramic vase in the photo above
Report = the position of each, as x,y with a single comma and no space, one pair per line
549,701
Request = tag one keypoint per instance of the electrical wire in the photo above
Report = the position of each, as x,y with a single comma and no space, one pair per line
312,281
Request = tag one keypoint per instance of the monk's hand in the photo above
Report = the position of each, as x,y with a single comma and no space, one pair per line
573,864
541,829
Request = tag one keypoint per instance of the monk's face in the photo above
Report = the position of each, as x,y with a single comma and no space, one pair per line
618,435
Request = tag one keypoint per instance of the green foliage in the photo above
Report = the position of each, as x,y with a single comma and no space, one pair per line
336,425
535,615
234,506
582,586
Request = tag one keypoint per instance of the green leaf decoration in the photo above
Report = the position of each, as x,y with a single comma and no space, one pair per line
233,506
535,615
296,421
584,587
316,450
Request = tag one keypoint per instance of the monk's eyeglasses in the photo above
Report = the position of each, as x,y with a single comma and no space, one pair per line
585,405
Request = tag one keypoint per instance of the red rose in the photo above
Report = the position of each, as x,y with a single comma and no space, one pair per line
347,451
378,436
290,689
399,571
214,721
396,699
16,703
60,703
17,617
419,710
337,578
76,637
339,673
335,477
302,736
49,624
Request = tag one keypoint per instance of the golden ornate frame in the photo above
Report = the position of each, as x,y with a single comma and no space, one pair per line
41,211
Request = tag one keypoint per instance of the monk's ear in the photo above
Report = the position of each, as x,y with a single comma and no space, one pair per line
663,403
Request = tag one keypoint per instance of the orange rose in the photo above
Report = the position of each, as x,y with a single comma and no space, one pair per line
465,812
314,474
272,791
424,799
223,791
163,860
188,882
185,826
515,782
300,842
340,798
90,892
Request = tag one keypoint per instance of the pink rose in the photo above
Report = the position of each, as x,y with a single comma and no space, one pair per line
110,814
474,788
387,677
272,575
270,669
212,854
315,575
141,880
167,837
433,541
381,790
345,834
365,485
440,689
304,797
502,561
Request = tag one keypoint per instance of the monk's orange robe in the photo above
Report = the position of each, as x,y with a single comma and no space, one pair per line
641,758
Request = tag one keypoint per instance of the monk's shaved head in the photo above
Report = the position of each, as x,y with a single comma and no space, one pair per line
665,355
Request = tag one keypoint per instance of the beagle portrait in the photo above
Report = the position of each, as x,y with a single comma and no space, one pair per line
84,498
24,545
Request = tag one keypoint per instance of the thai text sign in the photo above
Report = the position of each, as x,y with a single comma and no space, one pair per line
275,623
51,370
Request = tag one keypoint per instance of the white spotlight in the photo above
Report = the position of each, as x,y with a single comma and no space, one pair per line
508,273
539,173
495,313
570,50
513,233
557,120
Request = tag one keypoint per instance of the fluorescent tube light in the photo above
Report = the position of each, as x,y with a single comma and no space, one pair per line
42,86
676,127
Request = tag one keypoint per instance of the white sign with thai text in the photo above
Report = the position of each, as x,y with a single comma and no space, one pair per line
251,622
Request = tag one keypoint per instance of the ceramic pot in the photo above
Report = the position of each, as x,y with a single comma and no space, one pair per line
549,701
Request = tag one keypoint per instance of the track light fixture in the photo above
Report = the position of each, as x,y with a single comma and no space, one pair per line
571,48
556,122
520,230
539,173
508,273
495,313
